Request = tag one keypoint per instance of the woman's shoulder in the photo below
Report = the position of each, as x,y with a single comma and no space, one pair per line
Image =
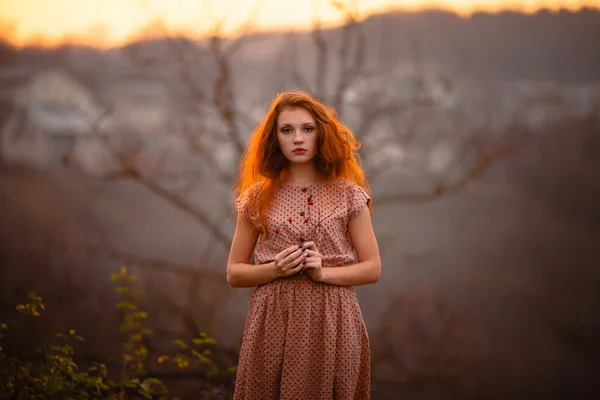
356,196
253,189
348,186
248,196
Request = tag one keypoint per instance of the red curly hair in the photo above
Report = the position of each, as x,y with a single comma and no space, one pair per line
263,164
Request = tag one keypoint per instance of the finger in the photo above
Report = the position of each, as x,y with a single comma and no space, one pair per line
311,245
299,260
312,259
312,253
292,268
292,257
294,263
296,269
312,265
288,251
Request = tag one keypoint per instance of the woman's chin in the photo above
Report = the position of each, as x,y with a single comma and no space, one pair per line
300,158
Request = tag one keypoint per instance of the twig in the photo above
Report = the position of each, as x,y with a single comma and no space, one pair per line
481,167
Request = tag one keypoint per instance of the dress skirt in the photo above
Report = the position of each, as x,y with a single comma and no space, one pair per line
303,340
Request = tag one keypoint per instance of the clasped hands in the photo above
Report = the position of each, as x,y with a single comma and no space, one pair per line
302,257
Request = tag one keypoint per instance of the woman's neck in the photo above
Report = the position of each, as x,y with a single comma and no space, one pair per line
302,174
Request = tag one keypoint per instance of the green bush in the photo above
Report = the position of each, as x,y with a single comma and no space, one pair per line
51,372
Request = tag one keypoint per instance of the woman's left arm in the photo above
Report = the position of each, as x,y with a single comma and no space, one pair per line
368,268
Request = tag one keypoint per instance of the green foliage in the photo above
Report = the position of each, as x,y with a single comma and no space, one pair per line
51,372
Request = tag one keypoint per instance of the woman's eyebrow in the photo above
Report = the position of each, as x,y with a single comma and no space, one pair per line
290,124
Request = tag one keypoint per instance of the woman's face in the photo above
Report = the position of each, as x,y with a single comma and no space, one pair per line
297,134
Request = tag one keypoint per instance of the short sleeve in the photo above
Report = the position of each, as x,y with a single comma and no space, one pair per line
358,198
246,205
241,202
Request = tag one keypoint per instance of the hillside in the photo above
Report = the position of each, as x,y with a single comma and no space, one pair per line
562,47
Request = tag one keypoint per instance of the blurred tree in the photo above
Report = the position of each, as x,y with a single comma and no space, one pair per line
214,111
214,116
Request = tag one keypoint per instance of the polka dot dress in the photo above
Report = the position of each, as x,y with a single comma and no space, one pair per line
305,340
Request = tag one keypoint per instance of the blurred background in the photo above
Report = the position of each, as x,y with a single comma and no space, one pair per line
122,124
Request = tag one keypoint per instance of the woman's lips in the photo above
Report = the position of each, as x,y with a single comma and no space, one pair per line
299,151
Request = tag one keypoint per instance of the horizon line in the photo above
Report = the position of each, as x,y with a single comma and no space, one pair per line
144,34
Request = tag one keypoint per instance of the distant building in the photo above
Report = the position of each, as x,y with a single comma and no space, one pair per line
142,102
51,115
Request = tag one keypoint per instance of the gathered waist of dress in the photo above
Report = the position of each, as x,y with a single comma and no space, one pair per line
299,276
303,275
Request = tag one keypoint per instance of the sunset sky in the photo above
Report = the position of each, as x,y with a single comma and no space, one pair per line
113,22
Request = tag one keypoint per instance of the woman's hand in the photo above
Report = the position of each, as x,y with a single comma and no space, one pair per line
313,263
289,261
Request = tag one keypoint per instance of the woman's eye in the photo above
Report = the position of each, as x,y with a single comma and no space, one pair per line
309,129
286,130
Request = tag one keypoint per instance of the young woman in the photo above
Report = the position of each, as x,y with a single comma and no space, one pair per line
303,210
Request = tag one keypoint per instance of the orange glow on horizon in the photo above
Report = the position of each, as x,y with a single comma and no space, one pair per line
107,23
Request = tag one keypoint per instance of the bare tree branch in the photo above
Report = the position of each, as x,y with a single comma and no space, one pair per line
372,112
223,94
485,159
322,55
223,97
297,77
155,264
349,69
130,169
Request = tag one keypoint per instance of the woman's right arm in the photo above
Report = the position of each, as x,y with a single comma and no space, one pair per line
240,273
